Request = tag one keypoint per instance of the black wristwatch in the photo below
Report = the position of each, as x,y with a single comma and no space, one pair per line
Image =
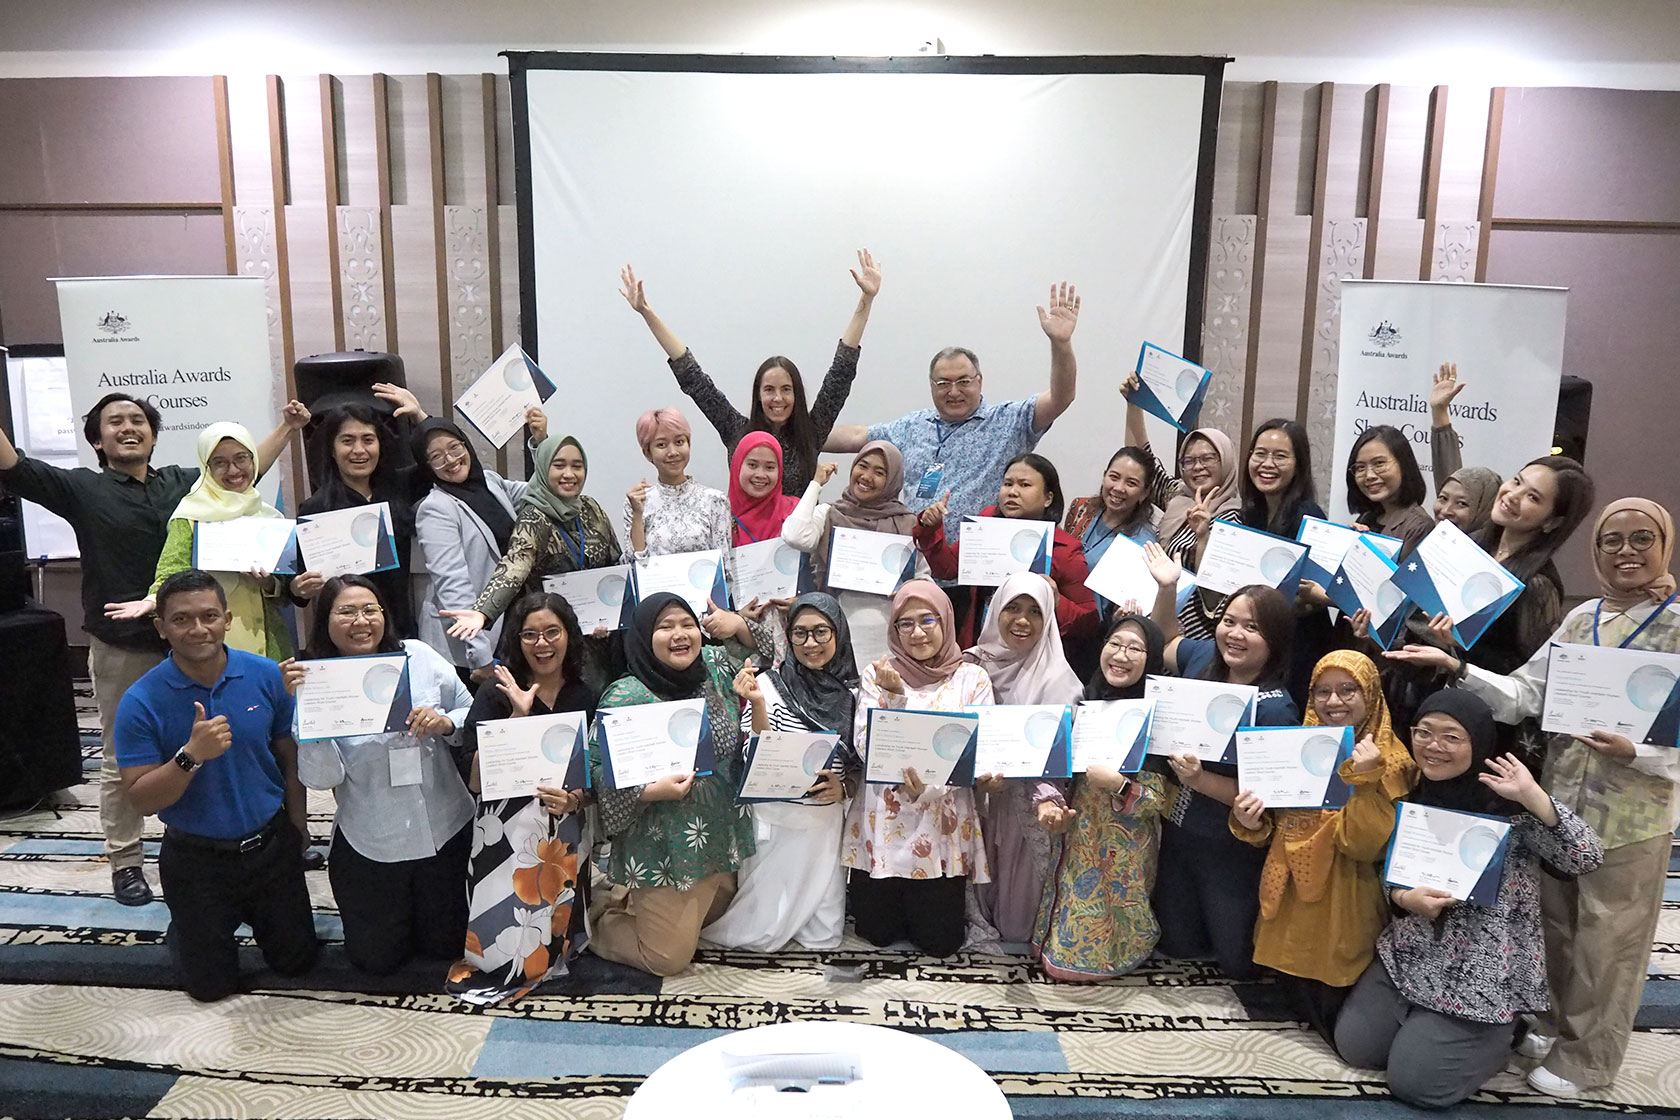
186,761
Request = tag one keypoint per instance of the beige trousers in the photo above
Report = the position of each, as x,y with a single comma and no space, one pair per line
657,929
1598,945
114,670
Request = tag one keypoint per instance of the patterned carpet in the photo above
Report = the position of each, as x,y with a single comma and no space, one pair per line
90,1025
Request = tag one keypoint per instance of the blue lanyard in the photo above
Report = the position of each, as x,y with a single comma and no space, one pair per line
1598,610
1099,523
941,434
745,532
576,550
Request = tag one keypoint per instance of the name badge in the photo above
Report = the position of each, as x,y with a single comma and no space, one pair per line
932,479
405,766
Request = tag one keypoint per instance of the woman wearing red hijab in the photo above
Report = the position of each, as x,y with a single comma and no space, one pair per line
755,489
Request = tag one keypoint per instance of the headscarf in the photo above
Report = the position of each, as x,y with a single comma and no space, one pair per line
661,680
540,496
884,513
924,674
1225,496
1041,675
1154,661
821,698
1465,793
1658,589
757,519
207,501
1398,767
474,493
1481,487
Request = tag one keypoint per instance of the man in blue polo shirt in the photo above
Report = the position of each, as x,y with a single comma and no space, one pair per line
204,740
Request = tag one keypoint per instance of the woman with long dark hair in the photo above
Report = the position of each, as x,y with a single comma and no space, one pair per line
1277,483
1121,507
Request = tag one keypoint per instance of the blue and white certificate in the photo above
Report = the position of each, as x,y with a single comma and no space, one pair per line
783,765
1122,575
1112,733
1198,717
517,755
341,697
244,543
864,560
1633,693
1294,767
646,742
1450,573
599,596
1365,581
995,548
695,576
1327,543
1023,740
939,746
1237,556
767,570
1460,853
356,540
1169,386
496,403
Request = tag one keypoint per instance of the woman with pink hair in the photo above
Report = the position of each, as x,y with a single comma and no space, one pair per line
674,513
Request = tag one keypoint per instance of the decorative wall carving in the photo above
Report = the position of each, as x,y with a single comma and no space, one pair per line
467,268
1341,257
1230,291
361,278
258,255
1455,251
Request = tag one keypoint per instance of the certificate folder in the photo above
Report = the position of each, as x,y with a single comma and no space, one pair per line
1385,627
1169,386
822,752
1485,595
1112,733
278,561
1482,841
384,677
951,737
898,560
1310,775
705,578
1011,736
684,718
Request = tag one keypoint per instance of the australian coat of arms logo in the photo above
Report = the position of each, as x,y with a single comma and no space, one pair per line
1384,335
112,323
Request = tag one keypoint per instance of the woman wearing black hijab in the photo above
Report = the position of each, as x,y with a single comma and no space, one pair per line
1437,1008
1094,921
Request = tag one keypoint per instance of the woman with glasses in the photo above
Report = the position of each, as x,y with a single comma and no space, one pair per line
1205,487
1385,489
912,848
793,888
1599,927
528,868
1122,507
401,829
1321,901
463,524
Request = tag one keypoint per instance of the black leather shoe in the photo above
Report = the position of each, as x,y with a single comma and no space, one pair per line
130,886
314,859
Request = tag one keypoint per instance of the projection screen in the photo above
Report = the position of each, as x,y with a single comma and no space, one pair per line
740,188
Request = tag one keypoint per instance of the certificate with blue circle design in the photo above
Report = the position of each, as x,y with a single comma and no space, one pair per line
1294,767
1634,693
343,697
1023,740
939,746
1451,574
1112,733
1198,717
1446,850
517,755
646,742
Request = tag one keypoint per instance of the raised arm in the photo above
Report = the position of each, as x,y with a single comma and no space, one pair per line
1446,457
8,454
1058,323
868,277
637,299
292,419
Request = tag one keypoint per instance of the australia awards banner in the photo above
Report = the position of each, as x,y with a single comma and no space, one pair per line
196,347
1506,340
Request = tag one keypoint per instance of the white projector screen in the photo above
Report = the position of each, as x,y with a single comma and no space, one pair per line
740,198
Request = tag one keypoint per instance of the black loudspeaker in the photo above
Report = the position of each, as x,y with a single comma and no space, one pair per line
325,381
40,744
1574,412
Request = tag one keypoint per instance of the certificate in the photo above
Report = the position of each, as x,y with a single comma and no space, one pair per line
515,756
1122,575
344,541
864,560
1023,740
600,596
1169,386
646,742
995,548
496,403
1365,581
245,543
1449,573
696,576
1113,733
783,765
1634,693
938,745
341,697
1237,556
1198,717
1460,853
1294,767
1327,543
766,570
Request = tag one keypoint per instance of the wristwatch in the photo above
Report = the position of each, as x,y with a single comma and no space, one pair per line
186,761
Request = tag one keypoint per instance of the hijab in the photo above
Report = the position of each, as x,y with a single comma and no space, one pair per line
1225,498
757,519
661,680
924,674
1658,589
1041,675
1154,661
1398,767
821,698
474,493
1481,487
884,513
539,495
1465,793
207,501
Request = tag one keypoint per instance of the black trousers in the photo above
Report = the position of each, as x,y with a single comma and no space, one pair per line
210,892
393,911
929,913
1207,898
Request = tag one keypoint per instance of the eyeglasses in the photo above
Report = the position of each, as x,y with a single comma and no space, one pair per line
945,384
1343,692
242,461
446,454
368,611
1640,540
1422,737
908,626
1374,467
552,635
1260,456
1191,462
800,635
1127,650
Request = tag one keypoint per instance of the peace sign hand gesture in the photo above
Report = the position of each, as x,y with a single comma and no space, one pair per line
1200,514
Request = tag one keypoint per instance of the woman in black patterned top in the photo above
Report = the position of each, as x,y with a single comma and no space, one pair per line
778,402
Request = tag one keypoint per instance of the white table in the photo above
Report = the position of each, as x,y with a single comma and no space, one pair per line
903,1075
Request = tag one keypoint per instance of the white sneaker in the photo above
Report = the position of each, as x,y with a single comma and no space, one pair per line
1535,1045
1552,1085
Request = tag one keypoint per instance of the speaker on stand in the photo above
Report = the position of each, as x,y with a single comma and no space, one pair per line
325,381
1574,412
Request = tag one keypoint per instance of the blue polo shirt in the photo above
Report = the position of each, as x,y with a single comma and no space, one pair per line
974,453
237,793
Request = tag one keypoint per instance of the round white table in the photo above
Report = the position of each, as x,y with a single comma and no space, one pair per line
902,1075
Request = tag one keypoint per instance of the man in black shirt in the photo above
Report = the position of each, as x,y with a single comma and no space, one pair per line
121,517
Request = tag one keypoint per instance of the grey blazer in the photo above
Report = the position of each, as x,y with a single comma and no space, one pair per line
459,552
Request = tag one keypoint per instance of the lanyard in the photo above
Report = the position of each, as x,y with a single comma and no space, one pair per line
1629,639
745,532
941,434
576,550
1099,523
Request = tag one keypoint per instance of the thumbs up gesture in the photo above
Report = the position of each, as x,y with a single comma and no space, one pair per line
935,513
210,737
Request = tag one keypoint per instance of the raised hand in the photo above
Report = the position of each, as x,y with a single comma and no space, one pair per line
1611,744
746,685
1446,386
935,513
637,496
826,471
1431,657
407,403
631,289
1366,756
887,678
1162,566
1360,621
1131,385
1063,316
1200,513
720,624
295,415
292,674
520,700
134,608
1510,779
210,738
1249,810
1308,594
1056,819
912,787
1425,901
754,611
867,275
466,625
424,721
672,788
537,420
1441,629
